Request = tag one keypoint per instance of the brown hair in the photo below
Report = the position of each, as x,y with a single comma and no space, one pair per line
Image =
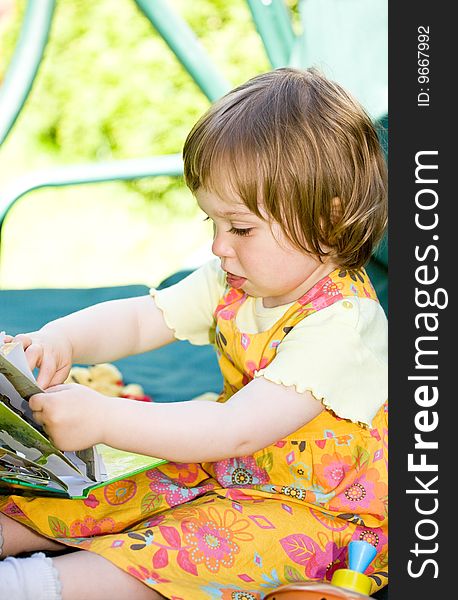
287,143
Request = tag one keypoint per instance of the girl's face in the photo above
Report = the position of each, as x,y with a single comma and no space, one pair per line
256,254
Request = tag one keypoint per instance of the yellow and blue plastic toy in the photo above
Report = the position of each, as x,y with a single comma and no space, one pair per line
346,584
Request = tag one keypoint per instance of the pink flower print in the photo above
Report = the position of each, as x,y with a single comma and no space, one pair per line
323,302
240,472
373,535
251,366
326,561
226,313
91,501
332,469
174,492
89,527
365,494
322,294
319,563
211,545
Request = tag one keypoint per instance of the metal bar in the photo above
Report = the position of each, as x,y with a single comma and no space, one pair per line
273,23
169,164
186,47
25,62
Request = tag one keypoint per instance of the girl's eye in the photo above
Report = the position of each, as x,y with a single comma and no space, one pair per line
241,232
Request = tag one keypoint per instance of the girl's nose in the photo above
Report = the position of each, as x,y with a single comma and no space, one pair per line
221,246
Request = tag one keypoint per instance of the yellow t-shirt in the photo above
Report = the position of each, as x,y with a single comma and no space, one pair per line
338,353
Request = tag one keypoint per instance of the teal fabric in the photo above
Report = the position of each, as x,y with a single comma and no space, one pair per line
174,373
177,372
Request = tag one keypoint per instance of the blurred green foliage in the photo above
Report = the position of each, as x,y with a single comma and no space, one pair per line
110,88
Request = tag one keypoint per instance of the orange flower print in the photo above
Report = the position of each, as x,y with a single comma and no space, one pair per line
89,527
330,521
182,472
212,538
120,492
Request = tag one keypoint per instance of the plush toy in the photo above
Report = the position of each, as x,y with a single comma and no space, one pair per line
106,379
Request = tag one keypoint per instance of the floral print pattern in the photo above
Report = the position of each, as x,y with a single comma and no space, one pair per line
240,472
212,538
119,492
238,528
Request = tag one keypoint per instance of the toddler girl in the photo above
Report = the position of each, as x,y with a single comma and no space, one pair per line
269,484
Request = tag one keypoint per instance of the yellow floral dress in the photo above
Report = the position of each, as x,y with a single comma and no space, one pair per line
238,528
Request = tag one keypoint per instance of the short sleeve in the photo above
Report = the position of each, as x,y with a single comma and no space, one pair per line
339,354
188,305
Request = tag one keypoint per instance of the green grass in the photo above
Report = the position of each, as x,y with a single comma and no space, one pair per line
109,88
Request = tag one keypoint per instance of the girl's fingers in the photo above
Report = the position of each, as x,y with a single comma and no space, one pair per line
22,338
34,354
59,377
36,402
46,373
38,417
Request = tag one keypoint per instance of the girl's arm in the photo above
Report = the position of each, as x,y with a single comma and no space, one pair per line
195,431
101,333
111,330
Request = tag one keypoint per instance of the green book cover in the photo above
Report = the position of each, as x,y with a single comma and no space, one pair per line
30,464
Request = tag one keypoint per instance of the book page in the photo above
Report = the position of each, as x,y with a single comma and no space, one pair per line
18,469
16,379
17,383
118,463
18,436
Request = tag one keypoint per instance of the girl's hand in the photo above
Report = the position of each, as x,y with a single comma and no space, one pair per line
48,350
72,415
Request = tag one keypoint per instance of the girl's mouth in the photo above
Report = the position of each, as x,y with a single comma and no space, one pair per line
235,281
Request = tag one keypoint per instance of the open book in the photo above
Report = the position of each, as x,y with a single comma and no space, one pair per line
29,461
